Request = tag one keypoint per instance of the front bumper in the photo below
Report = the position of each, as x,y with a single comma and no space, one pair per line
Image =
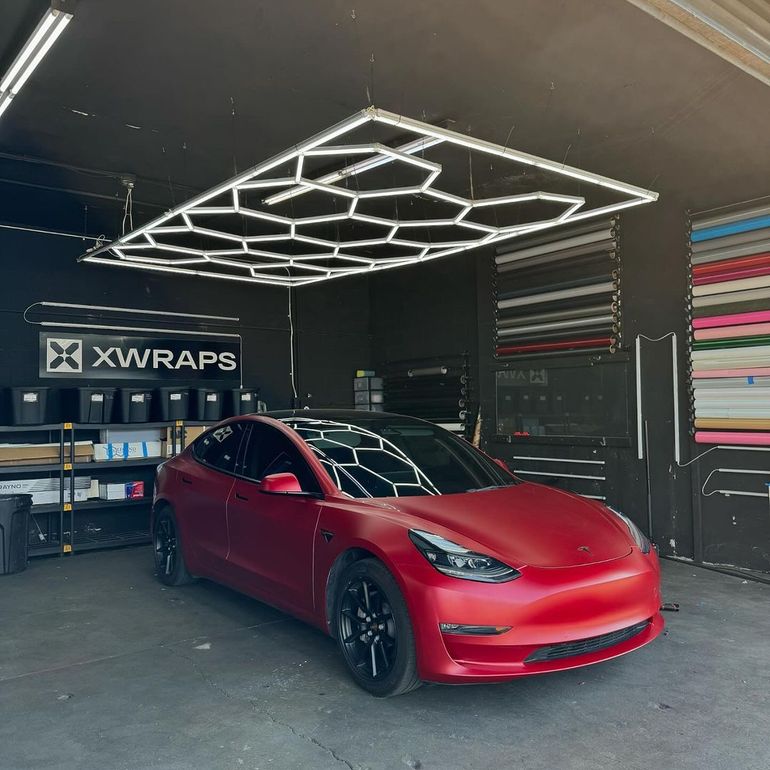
544,607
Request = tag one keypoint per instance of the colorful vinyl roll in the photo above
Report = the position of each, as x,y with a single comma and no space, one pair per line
592,342
757,282
734,319
737,438
715,300
738,372
741,226
730,326
732,275
558,292
726,332
718,423
757,260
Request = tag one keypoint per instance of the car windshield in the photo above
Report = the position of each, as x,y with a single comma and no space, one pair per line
398,456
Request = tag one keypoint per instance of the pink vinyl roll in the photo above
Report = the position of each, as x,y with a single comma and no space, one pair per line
707,374
731,437
727,332
758,316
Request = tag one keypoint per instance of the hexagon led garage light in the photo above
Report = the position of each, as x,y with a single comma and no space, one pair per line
343,202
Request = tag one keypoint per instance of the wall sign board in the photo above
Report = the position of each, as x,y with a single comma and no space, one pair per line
112,357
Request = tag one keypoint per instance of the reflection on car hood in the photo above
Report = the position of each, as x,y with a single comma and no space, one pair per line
526,524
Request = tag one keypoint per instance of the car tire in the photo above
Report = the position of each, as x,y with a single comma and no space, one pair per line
374,631
170,567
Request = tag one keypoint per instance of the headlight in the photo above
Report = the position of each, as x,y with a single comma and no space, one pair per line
452,559
639,537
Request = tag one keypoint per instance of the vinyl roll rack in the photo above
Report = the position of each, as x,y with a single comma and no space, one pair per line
729,318
559,293
438,389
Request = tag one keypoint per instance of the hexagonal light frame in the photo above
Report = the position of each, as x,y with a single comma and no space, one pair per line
254,262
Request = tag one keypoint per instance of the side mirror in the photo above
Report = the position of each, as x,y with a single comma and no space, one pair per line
280,484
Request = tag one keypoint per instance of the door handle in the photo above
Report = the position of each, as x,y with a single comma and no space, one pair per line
239,496
185,480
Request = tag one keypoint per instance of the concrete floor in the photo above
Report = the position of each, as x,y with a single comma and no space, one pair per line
101,667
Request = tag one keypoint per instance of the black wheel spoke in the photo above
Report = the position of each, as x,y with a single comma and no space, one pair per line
367,629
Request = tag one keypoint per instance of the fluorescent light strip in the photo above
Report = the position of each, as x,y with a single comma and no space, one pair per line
317,146
58,27
27,51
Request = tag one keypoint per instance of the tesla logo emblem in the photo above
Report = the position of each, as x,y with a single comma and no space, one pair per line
63,355
584,548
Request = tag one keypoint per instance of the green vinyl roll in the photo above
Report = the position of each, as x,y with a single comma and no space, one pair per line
734,342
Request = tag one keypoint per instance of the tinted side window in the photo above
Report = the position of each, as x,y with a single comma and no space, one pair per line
219,448
269,451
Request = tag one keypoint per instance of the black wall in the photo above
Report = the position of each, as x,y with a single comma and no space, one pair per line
331,321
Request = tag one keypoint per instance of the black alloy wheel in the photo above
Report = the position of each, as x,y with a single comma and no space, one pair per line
374,630
169,560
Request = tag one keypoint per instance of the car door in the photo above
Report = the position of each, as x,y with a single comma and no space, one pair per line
271,535
205,480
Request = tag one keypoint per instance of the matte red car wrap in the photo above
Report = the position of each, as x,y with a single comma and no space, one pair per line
583,589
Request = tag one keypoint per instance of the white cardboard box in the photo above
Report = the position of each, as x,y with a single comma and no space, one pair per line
30,486
52,497
131,450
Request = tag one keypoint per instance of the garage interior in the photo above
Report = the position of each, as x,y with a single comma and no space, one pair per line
623,356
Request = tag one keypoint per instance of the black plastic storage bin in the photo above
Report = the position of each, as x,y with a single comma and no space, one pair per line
14,527
173,403
243,401
90,405
29,406
208,405
135,404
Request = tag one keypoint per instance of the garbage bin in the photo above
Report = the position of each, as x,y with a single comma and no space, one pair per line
14,526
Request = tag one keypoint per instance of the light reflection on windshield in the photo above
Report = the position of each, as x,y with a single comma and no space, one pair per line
397,458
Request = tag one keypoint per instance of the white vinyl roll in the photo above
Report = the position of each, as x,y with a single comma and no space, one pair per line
711,354
731,297
732,413
732,394
560,245
757,282
739,384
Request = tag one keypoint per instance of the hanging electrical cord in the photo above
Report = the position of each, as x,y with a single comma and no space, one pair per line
128,208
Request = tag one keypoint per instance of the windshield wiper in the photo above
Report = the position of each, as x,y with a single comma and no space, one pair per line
485,489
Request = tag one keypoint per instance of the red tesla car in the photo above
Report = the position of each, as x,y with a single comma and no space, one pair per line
423,557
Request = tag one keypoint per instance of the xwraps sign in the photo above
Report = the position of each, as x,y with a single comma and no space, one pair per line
97,356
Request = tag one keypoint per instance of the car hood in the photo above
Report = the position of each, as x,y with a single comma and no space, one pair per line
526,524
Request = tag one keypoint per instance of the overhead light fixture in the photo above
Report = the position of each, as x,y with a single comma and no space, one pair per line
32,53
215,233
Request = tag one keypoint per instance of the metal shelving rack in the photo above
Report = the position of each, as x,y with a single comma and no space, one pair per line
66,541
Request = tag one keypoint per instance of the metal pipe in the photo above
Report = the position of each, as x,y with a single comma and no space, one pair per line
572,324
735,319
675,380
725,230
558,460
712,268
545,346
569,231
426,371
639,437
559,475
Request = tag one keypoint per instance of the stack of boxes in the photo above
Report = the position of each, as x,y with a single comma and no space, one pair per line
367,391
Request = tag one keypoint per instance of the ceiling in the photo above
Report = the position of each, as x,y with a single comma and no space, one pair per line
182,97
